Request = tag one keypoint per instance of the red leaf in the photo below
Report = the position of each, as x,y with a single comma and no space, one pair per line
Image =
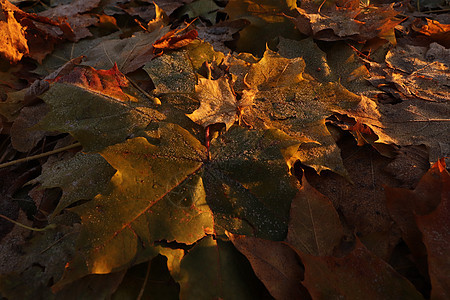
107,82
404,205
169,41
435,228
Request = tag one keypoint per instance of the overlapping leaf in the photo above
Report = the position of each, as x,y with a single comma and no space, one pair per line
214,269
97,107
171,191
290,100
340,20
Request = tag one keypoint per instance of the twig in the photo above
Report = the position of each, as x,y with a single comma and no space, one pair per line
50,226
25,159
141,292
154,99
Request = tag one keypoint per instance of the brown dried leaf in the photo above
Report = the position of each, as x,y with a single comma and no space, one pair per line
404,205
358,275
436,31
345,20
436,236
275,264
314,226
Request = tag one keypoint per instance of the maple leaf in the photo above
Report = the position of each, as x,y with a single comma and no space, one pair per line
314,226
288,100
73,13
80,177
171,191
129,53
217,103
41,262
436,237
411,122
415,72
13,42
436,31
98,107
172,73
359,274
345,20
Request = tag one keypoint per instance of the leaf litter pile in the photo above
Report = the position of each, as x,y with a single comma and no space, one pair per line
224,149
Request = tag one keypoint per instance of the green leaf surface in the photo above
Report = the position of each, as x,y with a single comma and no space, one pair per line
266,22
81,177
214,269
171,191
96,120
172,73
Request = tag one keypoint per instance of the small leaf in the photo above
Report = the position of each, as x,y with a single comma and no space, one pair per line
314,226
275,264
217,103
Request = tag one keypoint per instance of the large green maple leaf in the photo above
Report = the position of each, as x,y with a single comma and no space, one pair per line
175,190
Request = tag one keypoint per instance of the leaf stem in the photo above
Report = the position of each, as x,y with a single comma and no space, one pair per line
50,226
25,159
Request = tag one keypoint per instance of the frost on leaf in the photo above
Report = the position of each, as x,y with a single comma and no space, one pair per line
171,191
217,103
340,20
290,100
98,107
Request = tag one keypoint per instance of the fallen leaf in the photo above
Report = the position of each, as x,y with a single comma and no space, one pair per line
314,225
73,13
13,42
172,73
98,107
359,274
411,122
436,237
289,100
415,72
340,20
80,177
214,269
129,53
23,138
29,34
217,103
267,22
171,191
172,40
404,205
275,264
436,31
